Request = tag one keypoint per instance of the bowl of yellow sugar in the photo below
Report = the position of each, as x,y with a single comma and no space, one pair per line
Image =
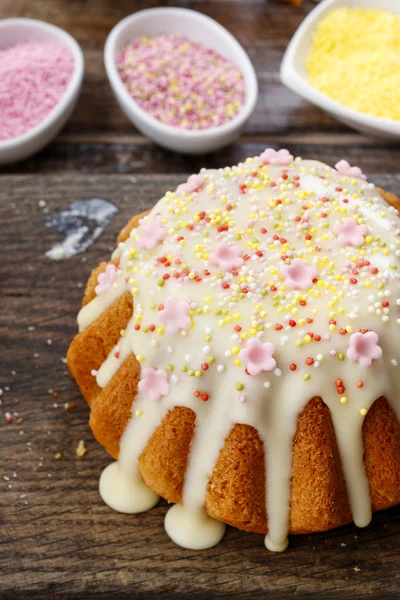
345,58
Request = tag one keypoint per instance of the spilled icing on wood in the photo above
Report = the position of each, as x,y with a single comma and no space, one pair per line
80,225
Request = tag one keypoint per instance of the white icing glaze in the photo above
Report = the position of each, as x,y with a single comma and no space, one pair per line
128,495
193,529
270,211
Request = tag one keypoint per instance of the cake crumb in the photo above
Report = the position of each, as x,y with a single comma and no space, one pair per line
57,455
81,449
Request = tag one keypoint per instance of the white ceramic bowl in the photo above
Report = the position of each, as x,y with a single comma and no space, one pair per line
294,73
195,26
13,31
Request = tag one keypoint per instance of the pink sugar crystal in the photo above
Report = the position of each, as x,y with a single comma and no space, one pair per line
181,82
33,78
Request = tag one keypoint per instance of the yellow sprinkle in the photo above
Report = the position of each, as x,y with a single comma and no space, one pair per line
343,399
360,70
363,412
138,412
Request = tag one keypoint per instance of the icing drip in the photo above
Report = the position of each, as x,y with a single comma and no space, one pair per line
193,529
128,495
264,286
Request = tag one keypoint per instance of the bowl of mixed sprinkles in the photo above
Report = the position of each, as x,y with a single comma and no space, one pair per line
345,58
181,78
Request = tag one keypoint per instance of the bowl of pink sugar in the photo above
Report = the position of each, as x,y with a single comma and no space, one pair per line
181,78
41,72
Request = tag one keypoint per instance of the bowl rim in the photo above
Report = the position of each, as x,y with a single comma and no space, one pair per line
72,87
120,90
299,84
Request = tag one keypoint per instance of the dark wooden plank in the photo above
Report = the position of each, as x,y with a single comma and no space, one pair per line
109,153
58,539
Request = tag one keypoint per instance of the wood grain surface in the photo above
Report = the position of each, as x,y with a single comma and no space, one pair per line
58,540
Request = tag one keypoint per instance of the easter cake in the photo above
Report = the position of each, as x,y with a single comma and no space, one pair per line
240,353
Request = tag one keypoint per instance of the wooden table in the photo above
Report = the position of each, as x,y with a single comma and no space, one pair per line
58,539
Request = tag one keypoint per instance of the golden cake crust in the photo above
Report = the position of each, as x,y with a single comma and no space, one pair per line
237,488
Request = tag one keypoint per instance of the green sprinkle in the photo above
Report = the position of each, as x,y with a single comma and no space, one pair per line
340,356
170,367
306,376
161,282
191,372
184,368
239,387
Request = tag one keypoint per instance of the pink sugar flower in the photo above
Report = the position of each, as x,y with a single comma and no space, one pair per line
258,356
344,168
193,184
363,348
227,257
106,279
151,234
298,276
276,157
155,383
175,315
349,233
